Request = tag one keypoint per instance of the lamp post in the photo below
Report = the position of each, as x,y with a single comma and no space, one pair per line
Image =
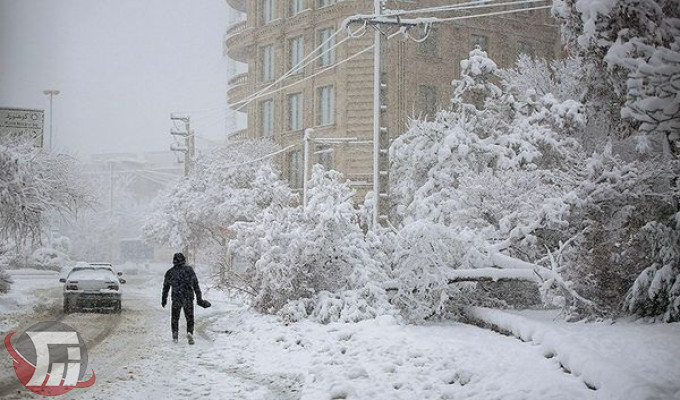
51,93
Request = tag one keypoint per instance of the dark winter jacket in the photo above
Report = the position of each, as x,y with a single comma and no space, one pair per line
183,281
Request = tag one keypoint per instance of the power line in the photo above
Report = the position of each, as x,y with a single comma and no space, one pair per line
457,7
315,74
301,64
491,14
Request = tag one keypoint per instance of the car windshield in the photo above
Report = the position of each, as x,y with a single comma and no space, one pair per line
91,274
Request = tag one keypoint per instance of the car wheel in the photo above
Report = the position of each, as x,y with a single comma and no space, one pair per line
67,307
118,308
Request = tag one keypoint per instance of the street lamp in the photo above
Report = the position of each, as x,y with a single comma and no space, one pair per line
51,93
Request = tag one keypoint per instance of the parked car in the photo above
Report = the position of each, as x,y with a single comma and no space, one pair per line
90,286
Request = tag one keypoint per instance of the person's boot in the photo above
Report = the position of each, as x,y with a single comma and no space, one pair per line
190,338
174,337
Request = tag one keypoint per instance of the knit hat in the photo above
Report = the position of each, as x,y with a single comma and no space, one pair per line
179,258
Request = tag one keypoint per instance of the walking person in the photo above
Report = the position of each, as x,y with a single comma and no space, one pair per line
182,279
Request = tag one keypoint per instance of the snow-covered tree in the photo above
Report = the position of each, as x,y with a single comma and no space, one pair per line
501,181
630,50
533,78
631,54
33,183
486,176
656,291
5,279
312,262
229,184
618,210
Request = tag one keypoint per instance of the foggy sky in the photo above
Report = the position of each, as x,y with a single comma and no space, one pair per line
121,65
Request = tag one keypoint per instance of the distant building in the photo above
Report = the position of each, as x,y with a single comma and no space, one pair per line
276,34
142,177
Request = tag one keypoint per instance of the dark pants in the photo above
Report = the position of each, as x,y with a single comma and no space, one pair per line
188,307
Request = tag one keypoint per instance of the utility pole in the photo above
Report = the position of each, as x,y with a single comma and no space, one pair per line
381,138
188,135
51,93
377,71
112,240
305,173
188,149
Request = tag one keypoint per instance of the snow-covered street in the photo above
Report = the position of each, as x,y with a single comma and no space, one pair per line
240,354
340,199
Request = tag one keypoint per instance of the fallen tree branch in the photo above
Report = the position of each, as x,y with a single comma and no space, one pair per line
493,275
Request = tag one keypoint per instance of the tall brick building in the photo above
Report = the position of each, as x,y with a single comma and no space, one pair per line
276,34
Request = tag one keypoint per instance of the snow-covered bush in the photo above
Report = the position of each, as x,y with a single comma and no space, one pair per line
47,258
5,280
312,262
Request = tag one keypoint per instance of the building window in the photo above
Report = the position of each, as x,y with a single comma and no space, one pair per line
525,48
295,107
326,41
267,63
267,118
295,173
429,47
296,53
324,3
267,7
325,153
326,99
479,40
296,7
427,100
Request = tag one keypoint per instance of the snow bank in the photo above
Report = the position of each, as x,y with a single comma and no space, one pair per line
622,360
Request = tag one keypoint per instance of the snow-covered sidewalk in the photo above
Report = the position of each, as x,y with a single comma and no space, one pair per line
381,359
623,360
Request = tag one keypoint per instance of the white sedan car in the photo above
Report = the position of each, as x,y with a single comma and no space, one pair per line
91,286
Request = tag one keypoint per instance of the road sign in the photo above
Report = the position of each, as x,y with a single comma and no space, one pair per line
22,123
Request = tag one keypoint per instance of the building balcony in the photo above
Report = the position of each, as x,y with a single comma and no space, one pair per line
235,43
238,89
240,5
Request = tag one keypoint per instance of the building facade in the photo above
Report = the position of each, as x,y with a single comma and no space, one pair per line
334,93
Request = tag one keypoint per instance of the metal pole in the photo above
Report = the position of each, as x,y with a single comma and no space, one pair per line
51,121
377,10
305,172
51,93
113,237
